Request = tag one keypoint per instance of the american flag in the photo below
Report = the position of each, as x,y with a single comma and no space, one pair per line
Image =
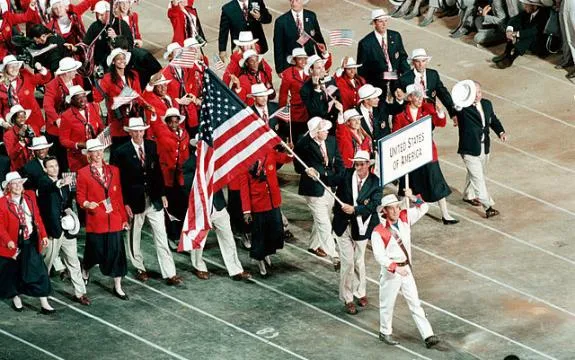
341,37
231,138
217,63
126,96
303,39
282,113
185,58
105,136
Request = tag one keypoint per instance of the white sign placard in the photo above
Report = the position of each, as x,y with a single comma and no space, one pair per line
405,150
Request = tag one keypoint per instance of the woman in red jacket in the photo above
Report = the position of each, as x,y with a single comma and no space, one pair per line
293,79
110,86
123,10
22,238
55,103
173,151
261,201
428,180
80,123
66,19
351,137
253,71
18,87
18,137
185,21
349,83
9,19
99,192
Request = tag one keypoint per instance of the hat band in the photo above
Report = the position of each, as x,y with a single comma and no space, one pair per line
370,95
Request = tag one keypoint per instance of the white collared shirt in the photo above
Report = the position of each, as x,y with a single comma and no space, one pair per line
419,76
482,114
365,112
137,148
295,14
380,37
262,110
27,213
323,148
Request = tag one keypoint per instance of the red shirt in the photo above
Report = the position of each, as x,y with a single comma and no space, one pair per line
26,84
291,84
258,195
73,131
172,150
55,101
404,118
10,224
19,154
90,188
112,89
348,91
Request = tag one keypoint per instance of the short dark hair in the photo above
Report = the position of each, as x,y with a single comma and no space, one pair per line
511,357
38,30
48,158
122,42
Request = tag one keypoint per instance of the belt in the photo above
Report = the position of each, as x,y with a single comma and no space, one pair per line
405,263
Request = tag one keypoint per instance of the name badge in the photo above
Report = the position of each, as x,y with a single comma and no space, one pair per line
390,75
108,205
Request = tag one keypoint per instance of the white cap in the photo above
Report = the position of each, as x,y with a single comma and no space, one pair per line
317,124
463,93
368,91
377,14
136,124
13,176
102,7
39,143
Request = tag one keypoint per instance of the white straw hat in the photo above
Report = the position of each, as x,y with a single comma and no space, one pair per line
260,90
70,222
13,176
116,52
350,114
248,54
15,110
136,124
66,65
102,7
317,124
245,38
39,143
171,48
93,145
296,52
310,62
173,112
368,91
463,93
361,155
75,90
377,14
419,54
11,59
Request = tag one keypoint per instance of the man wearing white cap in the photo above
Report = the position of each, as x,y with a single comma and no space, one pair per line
475,118
352,224
391,245
319,93
144,198
428,79
243,15
114,27
34,169
382,54
55,103
62,224
525,32
290,27
319,152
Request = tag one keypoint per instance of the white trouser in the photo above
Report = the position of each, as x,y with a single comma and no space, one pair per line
58,265
134,236
69,257
321,208
352,279
221,224
389,286
475,187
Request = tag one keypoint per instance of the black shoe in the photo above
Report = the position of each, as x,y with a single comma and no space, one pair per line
570,74
388,339
431,341
449,222
491,212
17,309
498,58
122,297
45,311
505,63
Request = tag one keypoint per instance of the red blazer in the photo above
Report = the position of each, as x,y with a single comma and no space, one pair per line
55,102
234,68
77,30
404,118
260,196
26,84
191,83
291,84
11,19
247,80
347,91
19,154
73,131
160,107
111,90
89,188
348,144
9,223
172,150
178,20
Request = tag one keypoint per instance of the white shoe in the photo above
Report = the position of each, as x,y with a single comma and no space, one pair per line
262,267
268,261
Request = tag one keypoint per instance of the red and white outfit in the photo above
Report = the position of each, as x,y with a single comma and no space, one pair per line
132,20
71,27
17,150
385,241
348,89
349,143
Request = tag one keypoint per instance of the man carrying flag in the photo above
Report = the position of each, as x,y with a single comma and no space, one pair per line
231,137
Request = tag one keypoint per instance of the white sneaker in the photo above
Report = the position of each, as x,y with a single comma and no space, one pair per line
262,267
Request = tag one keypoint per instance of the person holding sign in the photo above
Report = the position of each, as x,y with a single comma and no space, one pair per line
99,191
352,224
319,151
475,118
391,244
428,180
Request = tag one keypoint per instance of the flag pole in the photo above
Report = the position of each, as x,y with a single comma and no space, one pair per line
327,188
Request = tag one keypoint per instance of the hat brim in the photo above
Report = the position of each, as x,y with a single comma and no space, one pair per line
380,17
136,128
245,43
11,115
375,94
242,61
95,148
150,87
182,117
371,161
265,93
307,67
69,97
353,66
18,62
420,57
110,59
76,66
41,147
291,59
461,97
5,182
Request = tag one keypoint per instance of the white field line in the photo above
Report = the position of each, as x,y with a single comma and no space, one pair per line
44,351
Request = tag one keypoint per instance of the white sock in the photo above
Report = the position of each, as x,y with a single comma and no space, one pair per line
45,304
443,207
17,301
